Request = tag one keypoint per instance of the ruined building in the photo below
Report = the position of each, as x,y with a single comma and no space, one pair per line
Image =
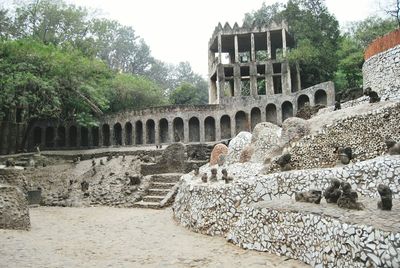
250,82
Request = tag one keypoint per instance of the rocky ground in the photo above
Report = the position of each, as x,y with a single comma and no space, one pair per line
118,237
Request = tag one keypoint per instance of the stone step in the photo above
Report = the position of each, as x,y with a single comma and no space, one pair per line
153,198
143,204
167,177
162,185
158,191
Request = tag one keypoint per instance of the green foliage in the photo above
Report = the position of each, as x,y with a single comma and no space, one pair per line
364,32
351,59
316,33
187,94
131,91
51,83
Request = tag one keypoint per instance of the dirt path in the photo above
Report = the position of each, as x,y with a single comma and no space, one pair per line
116,237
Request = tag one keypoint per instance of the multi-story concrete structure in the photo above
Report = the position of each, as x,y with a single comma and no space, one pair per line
250,82
250,61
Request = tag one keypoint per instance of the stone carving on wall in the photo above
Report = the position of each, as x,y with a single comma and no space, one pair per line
386,197
349,198
333,192
311,196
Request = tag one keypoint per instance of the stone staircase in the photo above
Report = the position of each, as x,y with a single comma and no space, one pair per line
161,191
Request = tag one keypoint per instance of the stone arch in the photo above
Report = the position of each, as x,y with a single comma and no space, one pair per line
128,133
302,100
150,131
84,137
194,129
49,137
163,133
138,132
255,117
73,136
225,123
95,136
179,133
105,130
209,129
271,115
117,134
37,136
242,122
320,97
287,110
61,141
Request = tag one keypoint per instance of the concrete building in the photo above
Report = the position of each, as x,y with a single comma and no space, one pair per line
250,82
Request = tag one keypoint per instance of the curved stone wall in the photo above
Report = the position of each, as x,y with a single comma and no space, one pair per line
365,133
163,125
227,210
382,66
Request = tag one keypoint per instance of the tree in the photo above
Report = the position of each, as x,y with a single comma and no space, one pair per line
392,8
315,31
186,94
134,92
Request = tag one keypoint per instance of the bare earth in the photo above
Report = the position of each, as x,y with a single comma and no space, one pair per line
117,237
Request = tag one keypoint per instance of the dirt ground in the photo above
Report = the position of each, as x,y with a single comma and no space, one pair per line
118,237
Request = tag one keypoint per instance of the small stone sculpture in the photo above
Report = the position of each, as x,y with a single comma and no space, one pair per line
37,150
93,163
123,158
348,199
373,96
134,180
204,178
386,197
333,192
84,186
311,196
94,171
345,155
337,106
101,162
225,176
10,162
196,170
109,157
284,162
393,148
213,177
76,160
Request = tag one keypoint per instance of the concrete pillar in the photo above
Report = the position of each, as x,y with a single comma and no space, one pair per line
219,48
253,79
286,81
112,142
100,135
284,49
171,131
233,126
269,82
279,114
217,128
236,80
185,131
298,76
236,49
269,52
253,48
157,131
201,129
123,135
220,83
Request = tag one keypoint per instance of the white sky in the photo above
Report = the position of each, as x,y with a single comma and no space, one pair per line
179,30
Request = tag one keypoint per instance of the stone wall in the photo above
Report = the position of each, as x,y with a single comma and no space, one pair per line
364,133
381,73
322,236
14,212
223,209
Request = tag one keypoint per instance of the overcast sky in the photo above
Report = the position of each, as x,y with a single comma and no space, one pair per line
179,30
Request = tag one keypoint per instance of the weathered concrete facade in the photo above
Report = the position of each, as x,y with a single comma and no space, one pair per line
250,61
259,83
187,124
